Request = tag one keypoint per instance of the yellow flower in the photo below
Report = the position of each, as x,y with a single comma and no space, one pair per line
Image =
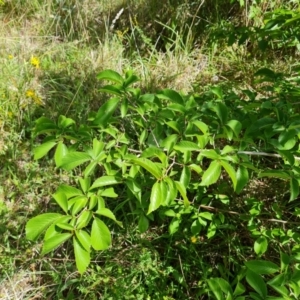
37,100
194,239
30,93
10,114
35,61
10,56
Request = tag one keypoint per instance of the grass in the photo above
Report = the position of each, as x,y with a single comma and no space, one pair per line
50,55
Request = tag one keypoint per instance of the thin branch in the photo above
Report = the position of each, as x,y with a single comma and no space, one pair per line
264,154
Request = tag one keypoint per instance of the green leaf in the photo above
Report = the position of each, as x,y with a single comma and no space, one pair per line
294,189
221,111
230,171
38,224
211,153
100,235
54,242
242,178
288,156
155,197
201,126
143,223
84,219
262,267
69,191
169,142
79,203
112,89
104,181
110,75
124,107
154,151
261,245
217,91
148,165
183,146
109,214
73,159
172,95
84,239
239,289
106,111
212,174
171,191
275,173
82,256
110,193
257,283
235,126
43,149
219,285
60,153
85,184
62,200
130,78
181,188
185,176
174,125
174,225
64,122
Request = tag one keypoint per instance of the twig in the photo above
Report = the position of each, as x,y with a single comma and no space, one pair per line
264,154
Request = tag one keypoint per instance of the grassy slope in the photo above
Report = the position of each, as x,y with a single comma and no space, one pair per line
49,63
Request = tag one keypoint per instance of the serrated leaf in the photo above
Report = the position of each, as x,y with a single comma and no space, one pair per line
69,191
261,245
172,95
62,200
84,219
212,174
43,149
79,203
109,214
100,235
257,283
183,146
84,238
235,126
242,178
181,189
150,166
106,111
124,108
211,153
54,242
60,153
155,198
38,224
105,181
110,75
201,126
64,122
230,171
82,256
110,193
85,183
171,191
73,159
185,176
174,225
262,267
221,111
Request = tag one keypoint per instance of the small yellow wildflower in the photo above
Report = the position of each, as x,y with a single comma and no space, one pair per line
10,56
30,94
35,61
37,100
10,114
194,239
